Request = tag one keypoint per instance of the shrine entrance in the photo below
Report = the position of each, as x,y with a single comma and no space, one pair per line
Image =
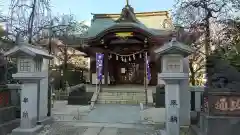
127,72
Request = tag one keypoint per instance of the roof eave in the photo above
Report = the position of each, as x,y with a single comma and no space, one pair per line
165,50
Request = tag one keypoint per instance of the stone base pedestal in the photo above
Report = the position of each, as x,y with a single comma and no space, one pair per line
163,132
219,125
30,131
9,126
46,120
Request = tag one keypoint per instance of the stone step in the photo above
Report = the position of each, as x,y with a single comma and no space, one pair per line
109,131
120,94
119,101
92,131
121,97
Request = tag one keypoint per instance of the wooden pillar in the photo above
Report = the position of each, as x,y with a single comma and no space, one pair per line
90,71
105,62
92,67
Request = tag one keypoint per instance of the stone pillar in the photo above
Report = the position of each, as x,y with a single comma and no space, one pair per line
172,101
29,105
34,92
185,99
29,109
43,93
175,75
43,99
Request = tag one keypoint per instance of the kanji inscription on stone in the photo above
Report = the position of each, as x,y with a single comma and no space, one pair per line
25,114
25,100
173,102
173,119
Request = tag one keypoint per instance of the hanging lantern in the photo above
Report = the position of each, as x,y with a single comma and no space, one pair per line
122,58
116,57
140,55
125,59
129,58
133,56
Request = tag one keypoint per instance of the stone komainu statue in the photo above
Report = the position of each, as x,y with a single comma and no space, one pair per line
221,74
3,70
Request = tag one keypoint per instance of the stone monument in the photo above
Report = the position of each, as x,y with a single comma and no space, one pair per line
33,73
173,55
221,113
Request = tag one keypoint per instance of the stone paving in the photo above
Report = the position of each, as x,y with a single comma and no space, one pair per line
114,113
103,113
71,128
105,119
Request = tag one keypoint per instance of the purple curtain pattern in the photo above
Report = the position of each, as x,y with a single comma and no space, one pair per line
148,70
99,65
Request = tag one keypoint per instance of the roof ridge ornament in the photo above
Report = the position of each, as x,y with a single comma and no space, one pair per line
174,39
127,14
20,39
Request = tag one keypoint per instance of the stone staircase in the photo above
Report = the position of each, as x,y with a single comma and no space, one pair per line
118,97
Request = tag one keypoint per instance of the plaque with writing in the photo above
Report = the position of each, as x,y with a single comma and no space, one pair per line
173,65
228,105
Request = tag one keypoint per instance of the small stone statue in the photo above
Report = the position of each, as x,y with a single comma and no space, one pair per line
3,70
221,74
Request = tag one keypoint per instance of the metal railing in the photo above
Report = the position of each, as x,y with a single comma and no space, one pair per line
61,94
95,95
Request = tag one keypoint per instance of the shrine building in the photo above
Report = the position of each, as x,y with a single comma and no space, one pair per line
126,39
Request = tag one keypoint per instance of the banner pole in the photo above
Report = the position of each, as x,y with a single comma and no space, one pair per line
96,71
145,79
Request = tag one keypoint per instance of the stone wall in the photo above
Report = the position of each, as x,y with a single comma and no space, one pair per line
212,125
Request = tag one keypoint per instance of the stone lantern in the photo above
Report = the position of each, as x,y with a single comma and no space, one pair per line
32,72
173,54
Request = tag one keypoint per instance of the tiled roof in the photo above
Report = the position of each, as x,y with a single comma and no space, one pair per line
100,25
28,49
172,46
127,19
